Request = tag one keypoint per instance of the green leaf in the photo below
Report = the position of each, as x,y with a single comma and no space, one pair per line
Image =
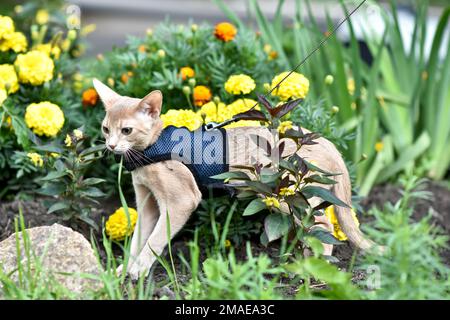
276,225
49,148
236,175
58,206
319,179
54,175
312,167
91,150
324,194
52,189
92,181
259,187
324,236
253,207
93,192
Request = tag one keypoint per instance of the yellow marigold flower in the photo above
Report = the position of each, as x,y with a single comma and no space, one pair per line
42,16
8,78
271,202
243,123
202,95
241,105
44,118
295,86
15,41
215,112
6,26
284,126
119,225
36,159
182,118
187,72
379,146
338,233
49,50
225,31
284,192
240,84
90,97
3,96
34,67
351,86
68,140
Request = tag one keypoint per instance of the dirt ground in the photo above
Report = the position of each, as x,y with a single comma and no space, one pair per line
35,214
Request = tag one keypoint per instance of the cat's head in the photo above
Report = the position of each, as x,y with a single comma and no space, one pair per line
129,123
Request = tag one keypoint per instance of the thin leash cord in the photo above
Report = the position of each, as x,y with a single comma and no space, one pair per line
322,42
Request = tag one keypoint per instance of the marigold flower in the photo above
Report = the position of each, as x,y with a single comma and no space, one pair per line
8,78
34,67
68,141
295,86
142,48
182,118
44,118
379,146
284,126
187,72
3,96
15,41
202,95
6,26
119,225
78,134
240,84
271,202
36,159
49,50
337,232
42,16
225,31
90,97
126,76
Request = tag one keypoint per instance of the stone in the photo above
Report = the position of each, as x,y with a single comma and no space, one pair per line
60,249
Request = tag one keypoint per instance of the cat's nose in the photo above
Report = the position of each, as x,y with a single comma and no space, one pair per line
112,146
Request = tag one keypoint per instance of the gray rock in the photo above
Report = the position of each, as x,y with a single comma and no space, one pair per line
60,250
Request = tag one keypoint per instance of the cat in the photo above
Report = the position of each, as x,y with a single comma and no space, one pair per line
167,191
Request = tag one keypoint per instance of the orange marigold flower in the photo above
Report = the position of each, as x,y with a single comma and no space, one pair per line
225,31
202,95
142,48
126,76
90,97
187,72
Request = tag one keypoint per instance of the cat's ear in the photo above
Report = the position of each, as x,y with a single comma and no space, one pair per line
151,104
108,96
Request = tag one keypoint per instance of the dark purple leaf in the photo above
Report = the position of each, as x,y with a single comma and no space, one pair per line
285,108
251,114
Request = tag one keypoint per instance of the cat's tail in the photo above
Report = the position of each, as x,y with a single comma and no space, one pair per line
342,191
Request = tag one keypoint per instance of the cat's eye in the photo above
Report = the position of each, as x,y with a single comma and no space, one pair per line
105,129
126,131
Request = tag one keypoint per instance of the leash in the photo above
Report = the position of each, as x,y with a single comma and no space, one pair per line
213,125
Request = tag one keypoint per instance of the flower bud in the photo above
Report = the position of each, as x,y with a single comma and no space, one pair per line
334,109
216,100
110,82
149,32
329,79
187,90
100,57
194,27
161,53
192,82
18,9
72,35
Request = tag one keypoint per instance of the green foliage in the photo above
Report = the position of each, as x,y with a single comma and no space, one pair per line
223,278
66,182
411,266
284,180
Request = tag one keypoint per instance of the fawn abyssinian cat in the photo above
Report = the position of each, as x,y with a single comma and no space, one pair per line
133,124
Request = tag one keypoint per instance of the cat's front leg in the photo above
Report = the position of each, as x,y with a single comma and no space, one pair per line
148,213
177,195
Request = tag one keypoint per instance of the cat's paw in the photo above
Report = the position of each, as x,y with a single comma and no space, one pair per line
140,267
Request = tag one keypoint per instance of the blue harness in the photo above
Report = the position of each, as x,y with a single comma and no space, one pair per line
203,152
